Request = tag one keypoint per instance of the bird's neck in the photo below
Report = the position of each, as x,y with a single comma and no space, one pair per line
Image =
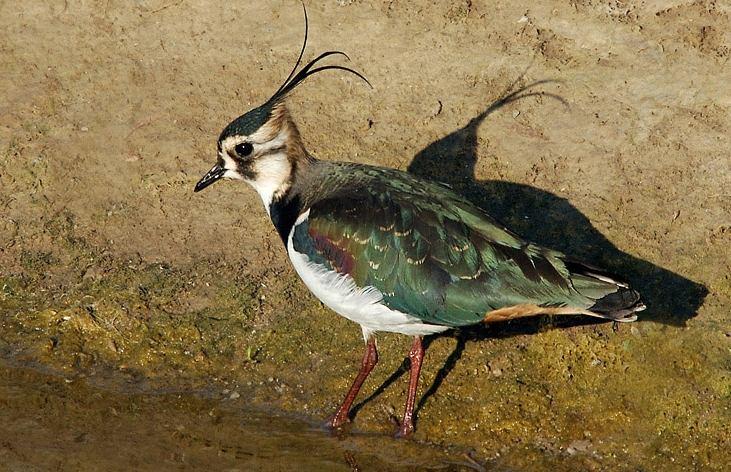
277,172
279,189
295,148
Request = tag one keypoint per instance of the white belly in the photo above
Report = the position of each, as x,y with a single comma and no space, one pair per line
364,305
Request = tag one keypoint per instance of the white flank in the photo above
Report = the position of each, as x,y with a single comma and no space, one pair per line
362,305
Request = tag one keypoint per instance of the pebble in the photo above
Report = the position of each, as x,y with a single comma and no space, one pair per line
580,445
494,367
494,370
437,109
234,396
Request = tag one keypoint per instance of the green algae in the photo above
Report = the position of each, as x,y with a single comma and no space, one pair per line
52,422
592,396
654,395
540,394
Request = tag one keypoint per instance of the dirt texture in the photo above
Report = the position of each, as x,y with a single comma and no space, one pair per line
599,128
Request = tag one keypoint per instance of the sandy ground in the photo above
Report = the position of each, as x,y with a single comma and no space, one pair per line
615,150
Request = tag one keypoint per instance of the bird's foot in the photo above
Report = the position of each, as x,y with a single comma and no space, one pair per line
405,430
336,421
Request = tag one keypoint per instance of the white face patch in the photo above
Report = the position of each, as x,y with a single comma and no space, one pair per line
230,165
268,162
272,176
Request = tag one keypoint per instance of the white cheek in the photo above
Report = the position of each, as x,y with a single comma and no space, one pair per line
232,174
269,164
272,173
230,165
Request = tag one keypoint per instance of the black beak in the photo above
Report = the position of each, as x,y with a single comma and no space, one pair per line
211,176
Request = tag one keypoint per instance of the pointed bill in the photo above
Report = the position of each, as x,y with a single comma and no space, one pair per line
211,176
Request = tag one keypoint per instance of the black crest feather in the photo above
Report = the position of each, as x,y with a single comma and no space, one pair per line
294,79
253,119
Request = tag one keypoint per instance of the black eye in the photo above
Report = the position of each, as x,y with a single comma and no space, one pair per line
243,149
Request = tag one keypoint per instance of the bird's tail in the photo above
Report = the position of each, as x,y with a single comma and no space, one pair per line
613,298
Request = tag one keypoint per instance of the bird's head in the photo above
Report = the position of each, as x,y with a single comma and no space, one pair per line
263,146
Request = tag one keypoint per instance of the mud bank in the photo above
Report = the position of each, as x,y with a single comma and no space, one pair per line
154,301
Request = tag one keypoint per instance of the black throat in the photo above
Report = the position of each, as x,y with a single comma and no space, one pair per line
284,212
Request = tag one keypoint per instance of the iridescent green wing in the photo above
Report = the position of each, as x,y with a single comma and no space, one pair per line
431,254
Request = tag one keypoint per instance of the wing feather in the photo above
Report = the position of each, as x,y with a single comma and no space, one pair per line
438,259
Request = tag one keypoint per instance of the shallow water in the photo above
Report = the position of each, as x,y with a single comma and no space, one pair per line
116,277
51,422
107,376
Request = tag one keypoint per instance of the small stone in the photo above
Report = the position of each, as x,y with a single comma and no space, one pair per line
437,109
94,272
516,113
234,396
84,129
494,369
580,445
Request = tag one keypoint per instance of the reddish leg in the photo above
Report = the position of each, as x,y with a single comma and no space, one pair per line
416,355
370,359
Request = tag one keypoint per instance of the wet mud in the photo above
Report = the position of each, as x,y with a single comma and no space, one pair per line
143,326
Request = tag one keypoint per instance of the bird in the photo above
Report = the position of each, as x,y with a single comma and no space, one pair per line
394,252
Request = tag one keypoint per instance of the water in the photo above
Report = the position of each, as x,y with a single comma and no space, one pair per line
51,422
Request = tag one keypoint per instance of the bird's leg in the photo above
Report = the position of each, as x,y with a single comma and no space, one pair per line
416,355
370,359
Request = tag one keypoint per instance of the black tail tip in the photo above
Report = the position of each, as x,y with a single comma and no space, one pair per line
621,305
628,315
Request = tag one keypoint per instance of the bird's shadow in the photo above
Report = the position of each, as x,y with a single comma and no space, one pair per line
548,220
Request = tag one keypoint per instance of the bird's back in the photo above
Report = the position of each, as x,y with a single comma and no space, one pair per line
434,255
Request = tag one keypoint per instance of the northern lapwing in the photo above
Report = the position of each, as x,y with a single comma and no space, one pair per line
396,253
